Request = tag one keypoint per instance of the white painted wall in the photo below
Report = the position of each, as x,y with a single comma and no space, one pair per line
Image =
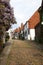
32,34
42,22
10,34
28,36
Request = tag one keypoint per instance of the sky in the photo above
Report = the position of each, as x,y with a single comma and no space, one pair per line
23,10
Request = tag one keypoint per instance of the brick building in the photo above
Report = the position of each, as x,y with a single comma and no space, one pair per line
26,31
29,27
33,28
16,33
39,26
33,22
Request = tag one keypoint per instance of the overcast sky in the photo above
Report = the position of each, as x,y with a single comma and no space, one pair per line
24,9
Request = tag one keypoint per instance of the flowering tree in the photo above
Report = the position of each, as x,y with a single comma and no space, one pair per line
6,18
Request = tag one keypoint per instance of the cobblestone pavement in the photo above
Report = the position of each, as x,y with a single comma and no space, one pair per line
25,53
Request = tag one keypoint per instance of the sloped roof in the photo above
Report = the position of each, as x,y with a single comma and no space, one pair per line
17,30
34,20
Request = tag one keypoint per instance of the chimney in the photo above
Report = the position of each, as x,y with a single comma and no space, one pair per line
22,26
19,30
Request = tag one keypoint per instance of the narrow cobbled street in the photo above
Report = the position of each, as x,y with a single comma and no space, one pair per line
25,53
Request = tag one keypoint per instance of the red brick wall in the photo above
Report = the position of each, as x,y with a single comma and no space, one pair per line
17,30
34,20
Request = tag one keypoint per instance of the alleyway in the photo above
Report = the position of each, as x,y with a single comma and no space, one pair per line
25,53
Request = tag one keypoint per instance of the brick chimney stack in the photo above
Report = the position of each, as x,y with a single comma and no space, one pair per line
22,26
